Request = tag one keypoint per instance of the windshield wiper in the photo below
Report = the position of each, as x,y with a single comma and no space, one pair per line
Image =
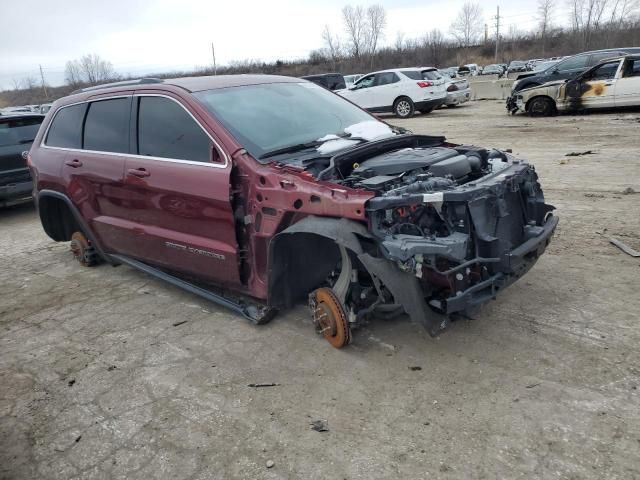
290,149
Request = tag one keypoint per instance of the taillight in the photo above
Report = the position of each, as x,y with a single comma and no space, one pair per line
425,84
452,88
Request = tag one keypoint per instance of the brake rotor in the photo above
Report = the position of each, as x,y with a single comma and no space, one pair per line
82,251
330,317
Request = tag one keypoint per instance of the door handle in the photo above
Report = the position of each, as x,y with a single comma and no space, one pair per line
138,172
75,163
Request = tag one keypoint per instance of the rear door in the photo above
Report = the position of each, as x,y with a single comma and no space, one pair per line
179,213
627,89
94,170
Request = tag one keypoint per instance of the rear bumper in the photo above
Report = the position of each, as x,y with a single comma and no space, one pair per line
430,104
458,97
15,192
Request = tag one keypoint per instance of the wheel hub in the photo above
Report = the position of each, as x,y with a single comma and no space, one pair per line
82,251
329,317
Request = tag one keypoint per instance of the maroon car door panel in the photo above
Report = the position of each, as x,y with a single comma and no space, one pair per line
178,199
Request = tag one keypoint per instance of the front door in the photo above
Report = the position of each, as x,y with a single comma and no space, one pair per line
178,193
599,86
627,88
385,89
360,93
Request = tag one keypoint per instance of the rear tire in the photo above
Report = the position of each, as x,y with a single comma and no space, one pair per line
541,107
403,107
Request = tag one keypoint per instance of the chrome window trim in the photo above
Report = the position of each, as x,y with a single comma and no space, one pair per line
134,155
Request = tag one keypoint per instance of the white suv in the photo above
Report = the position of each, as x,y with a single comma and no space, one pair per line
399,90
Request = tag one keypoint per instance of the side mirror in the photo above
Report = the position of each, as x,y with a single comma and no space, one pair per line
25,155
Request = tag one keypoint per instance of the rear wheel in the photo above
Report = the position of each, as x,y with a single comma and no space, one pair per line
82,250
541,107
403,107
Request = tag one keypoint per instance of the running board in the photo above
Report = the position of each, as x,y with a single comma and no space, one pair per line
256,314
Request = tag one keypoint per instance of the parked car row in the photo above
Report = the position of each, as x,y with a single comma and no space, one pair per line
402,91
44,108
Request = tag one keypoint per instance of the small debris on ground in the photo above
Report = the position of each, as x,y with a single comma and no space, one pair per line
415,369
628,191
532,385
320,425
594,195
624,247
177,324
260,385
71,382
78,438
579,154
111,368
270,463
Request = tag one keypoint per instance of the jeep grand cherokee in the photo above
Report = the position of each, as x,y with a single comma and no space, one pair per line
259,191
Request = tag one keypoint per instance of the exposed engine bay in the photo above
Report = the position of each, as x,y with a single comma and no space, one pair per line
462,221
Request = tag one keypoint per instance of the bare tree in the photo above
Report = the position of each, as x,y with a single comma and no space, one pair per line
468,25
545,13
376,21
587,17
333,46
355,24
89,69
399,43
436,43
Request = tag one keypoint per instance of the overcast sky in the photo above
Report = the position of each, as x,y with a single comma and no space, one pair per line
145,36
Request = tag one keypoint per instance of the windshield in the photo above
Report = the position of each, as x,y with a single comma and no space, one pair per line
270,116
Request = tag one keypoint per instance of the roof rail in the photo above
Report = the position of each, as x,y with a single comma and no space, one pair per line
124,83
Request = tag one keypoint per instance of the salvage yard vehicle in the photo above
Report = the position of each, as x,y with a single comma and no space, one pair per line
257,192
569,67
401,91
458,90
611,83
17,132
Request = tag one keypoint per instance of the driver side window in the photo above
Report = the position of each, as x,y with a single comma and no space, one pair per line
604,72
366,82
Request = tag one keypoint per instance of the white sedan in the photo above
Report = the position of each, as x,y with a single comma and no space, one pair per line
401,91
612,83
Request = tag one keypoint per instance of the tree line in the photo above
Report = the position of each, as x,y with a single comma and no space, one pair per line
356,46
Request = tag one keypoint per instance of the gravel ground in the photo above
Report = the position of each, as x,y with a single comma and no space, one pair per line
100,379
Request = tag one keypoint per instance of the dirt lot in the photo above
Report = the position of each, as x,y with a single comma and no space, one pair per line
98,380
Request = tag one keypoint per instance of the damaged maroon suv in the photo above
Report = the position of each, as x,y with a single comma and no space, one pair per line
258,191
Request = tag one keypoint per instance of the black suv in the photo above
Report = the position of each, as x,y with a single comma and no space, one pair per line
568,68
331,81
17,132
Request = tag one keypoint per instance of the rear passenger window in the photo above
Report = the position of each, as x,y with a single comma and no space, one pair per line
412,74
166,130
106,128
66,128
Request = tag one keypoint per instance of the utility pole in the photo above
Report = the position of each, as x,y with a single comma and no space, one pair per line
486,33
497,33
44,87
213,53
